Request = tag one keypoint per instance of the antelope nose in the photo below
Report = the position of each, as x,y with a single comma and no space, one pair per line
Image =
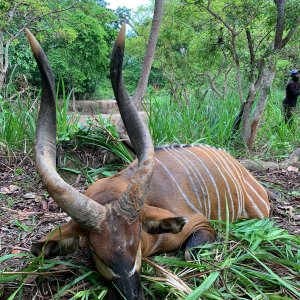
129,287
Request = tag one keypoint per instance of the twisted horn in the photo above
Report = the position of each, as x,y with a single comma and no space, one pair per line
133,198
82,209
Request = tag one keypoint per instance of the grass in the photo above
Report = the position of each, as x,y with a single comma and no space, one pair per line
250,260
275,136
67,124
17,124
257,261
98,134
173,122
17,132
210,122
104,136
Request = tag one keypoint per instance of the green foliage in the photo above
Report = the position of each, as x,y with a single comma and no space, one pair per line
210,121
17,121
194,46
15,16
76,35
13,13
204,121
79,49
98,135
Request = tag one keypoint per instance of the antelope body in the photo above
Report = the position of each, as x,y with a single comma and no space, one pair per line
161,202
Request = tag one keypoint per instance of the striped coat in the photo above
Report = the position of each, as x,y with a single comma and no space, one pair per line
198,181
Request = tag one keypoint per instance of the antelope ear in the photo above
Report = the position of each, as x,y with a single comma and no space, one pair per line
167,225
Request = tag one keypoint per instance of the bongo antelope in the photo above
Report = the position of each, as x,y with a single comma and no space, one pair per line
161,202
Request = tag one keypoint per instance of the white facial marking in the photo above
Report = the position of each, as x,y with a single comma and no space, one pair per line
137,263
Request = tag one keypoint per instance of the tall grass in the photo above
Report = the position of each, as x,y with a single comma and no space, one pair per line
202,121
67,123
17,119
100,134
103,134
205,121
274,135
210,121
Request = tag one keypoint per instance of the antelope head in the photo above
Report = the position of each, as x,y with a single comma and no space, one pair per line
113,230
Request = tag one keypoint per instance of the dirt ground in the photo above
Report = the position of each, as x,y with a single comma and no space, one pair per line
27,213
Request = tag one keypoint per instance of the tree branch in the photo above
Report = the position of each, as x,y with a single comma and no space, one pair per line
34,19
11,13
211,83
263,38
251,51
218,18
290,33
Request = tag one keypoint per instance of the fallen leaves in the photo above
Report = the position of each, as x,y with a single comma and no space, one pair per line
8,190
30,196
293,169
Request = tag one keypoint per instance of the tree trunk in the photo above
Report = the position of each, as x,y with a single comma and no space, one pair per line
2,74
251,121
2,79
259,165
153,37
238,67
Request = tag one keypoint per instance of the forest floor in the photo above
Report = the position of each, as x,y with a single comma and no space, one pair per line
27,213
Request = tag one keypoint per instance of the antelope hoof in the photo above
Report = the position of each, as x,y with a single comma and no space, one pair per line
168,225
49,249
55,248
197,238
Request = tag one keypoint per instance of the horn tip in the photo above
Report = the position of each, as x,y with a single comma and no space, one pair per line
34,44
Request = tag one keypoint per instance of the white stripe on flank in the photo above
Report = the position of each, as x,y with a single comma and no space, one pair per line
211,178
258,196
200,180
178,186
187,170
258,211
241,181
214,161
228,167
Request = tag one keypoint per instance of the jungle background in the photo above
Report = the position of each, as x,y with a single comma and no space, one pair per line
212,58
